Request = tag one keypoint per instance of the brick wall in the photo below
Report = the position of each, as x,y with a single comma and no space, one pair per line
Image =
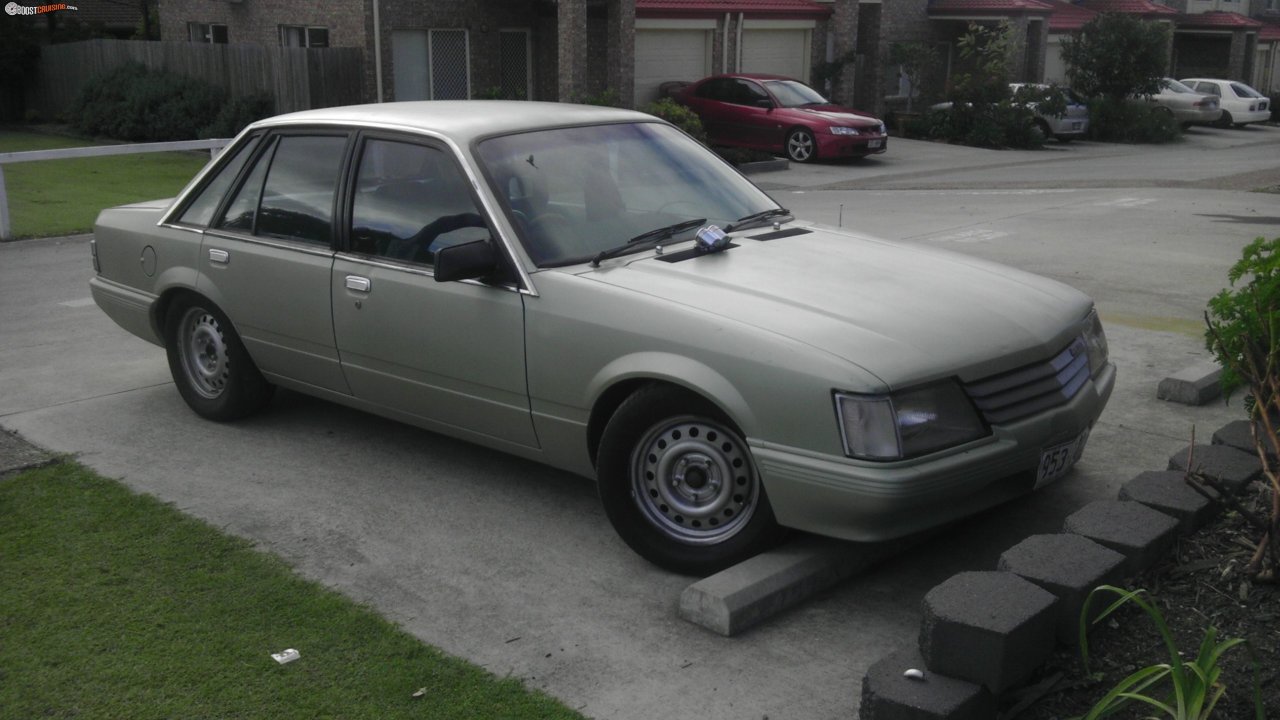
259,21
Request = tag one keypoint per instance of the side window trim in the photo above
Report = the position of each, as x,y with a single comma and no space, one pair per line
268,146
174,216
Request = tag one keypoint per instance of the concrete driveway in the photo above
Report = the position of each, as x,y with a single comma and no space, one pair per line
514,567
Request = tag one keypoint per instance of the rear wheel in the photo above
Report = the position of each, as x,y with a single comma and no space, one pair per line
801,145
679,484
209,364
1225,121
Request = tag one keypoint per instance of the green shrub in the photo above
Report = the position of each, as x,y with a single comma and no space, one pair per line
130,102
1120,121
678,115
235,115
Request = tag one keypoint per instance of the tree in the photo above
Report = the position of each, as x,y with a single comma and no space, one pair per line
916,60
1115,56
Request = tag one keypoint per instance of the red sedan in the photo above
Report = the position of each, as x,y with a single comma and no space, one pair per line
775,113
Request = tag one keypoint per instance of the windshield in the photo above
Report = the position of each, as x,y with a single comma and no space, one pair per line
790,93
573,192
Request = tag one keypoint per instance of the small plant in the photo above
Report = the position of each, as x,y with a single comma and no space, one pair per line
1190,687
1113,120
678,115
607,97
1244,335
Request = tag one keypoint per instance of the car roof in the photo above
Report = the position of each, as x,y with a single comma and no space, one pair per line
461,120
751,76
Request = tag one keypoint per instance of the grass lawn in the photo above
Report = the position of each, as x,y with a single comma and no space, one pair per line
60,197
115,605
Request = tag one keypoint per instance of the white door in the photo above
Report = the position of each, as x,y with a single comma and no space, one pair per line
781,52
663,55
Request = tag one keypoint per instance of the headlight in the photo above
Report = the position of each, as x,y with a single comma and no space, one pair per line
880,130
1095,341
906,424
837,130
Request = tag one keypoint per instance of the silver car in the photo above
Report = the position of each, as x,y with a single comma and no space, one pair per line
1186,106
1072,124
592,289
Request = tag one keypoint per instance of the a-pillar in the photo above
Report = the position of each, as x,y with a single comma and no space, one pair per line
571,22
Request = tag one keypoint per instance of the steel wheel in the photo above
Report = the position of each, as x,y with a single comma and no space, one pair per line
801,147
203,351
694,481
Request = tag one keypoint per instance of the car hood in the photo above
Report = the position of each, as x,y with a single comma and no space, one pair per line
904,314
835,115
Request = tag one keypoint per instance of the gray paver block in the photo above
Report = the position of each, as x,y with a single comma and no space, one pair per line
991,628
1132,529
1069,566
1168,492
17,454
1237,435
889,695
754,590
1195,385
1235,468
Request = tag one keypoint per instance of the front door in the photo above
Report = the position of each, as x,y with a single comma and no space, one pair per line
450,354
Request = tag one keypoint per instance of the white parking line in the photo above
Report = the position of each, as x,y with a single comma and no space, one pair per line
976,235
77,303
1127,202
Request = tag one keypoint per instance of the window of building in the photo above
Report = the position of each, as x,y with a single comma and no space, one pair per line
431,64
514,67
303,36
207,33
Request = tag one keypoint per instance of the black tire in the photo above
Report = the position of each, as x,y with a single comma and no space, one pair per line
801,145
679,484
209,364
1224,121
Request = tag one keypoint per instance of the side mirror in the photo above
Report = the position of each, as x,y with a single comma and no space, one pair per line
465,261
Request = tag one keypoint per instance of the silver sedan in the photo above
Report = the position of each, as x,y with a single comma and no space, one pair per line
592,289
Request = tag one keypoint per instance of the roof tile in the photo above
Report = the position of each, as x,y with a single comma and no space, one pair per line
709,8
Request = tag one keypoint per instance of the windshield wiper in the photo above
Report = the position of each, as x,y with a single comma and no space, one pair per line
653,236
755,218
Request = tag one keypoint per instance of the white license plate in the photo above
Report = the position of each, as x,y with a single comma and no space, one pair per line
874,143
1057,461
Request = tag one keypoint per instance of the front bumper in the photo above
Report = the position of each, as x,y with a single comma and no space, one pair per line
837,146
855,500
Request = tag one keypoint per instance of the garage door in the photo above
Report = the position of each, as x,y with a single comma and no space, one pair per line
1055,70
781,52
663,55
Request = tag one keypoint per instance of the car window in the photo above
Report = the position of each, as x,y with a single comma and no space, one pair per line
748,93
243,209
720,89
1245,91
794,94
1175,86
200,210
297,198
1208,88
410,201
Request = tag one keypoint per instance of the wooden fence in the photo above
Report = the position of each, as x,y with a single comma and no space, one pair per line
298,78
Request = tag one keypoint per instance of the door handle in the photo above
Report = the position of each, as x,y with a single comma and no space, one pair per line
221,257
359,284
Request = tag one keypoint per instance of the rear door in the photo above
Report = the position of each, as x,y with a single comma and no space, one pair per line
449,353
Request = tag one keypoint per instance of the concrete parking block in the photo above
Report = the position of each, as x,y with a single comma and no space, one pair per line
1168,492
888,694
1238,435
1195,385
1132,529
754,590
1069,566
1233,467
991,628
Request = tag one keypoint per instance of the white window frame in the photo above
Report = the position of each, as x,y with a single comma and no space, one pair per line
306,35
205,30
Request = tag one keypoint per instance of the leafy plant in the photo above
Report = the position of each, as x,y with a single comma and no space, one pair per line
1115,120
678,115
917,61
1191,687
1244,335
827,74
1117,55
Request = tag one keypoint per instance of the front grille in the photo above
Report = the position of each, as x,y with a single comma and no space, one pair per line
1031,389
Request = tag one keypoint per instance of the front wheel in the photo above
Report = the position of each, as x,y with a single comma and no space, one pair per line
679,484
209,364
801,145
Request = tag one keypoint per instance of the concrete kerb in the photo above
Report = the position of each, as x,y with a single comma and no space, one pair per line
1038,560
17,454
1195,385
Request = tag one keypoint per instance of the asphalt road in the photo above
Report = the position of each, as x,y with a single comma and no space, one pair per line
513,566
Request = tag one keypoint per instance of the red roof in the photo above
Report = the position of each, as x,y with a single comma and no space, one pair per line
783,9
1270,31
1068,16
1129,7
989,7
1218,19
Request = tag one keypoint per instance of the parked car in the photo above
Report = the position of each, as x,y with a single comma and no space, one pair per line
781,115
1186,106
1074,123
1240,103
592,289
